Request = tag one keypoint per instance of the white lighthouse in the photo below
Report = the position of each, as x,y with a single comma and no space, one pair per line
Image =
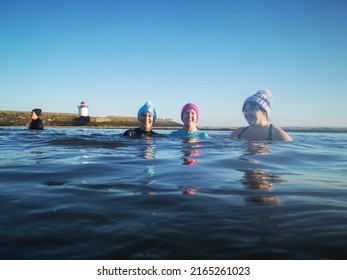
83,110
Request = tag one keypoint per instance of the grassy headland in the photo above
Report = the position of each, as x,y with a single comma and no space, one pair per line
22,118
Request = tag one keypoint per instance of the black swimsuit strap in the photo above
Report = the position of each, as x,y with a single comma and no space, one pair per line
270,133
269,138
239,136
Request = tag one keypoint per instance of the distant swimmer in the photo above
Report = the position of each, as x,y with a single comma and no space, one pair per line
256,110
36,122
147,115
189,117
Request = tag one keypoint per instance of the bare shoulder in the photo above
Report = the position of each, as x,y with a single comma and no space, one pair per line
278,134
235,133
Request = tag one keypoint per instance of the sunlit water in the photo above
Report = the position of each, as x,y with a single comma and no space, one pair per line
72,193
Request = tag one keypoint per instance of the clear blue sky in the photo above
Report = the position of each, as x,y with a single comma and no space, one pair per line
117,54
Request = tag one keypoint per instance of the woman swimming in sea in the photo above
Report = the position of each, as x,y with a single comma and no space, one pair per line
189,117
146,116
256,110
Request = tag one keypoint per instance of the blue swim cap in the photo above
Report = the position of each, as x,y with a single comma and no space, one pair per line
147,107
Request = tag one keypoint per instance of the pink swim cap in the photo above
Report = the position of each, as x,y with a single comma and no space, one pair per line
190,106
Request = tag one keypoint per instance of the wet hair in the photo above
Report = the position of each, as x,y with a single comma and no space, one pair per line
37,111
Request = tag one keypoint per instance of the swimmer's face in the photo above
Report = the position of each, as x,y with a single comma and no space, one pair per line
189,116
34,116
253,114
146,121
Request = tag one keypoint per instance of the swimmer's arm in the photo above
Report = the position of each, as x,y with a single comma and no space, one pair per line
235,134
280,135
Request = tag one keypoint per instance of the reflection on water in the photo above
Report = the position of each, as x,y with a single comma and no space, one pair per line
147,152
191,150
190,190
255,148
259,182
262,181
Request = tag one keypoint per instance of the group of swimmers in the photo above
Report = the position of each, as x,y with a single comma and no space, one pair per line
256,110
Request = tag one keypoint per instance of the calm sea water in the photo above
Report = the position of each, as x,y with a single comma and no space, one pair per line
71,193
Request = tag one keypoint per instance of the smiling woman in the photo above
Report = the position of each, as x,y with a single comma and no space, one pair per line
256,110
189,117
146,115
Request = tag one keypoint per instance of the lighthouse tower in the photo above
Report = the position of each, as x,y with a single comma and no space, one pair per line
83,110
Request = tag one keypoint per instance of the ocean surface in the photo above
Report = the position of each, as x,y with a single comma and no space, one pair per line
81,193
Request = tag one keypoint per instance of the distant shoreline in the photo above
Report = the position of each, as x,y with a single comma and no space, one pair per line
56,119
